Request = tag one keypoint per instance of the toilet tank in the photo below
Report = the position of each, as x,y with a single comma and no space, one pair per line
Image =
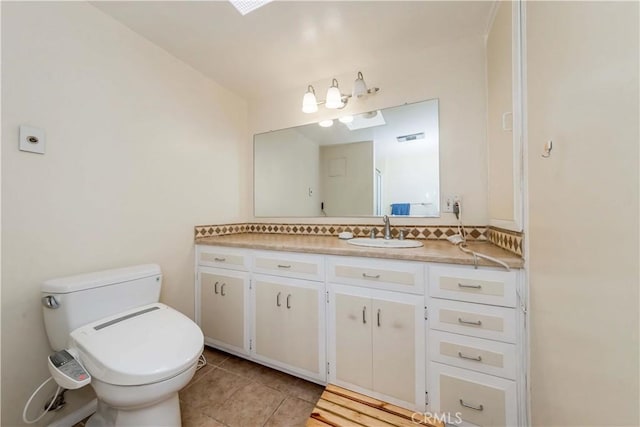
74,301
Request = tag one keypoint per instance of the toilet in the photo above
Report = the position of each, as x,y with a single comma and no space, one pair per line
139,352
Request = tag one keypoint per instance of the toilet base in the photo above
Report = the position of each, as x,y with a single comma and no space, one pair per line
165,413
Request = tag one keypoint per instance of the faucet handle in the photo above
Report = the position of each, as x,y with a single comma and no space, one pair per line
403,233
372,233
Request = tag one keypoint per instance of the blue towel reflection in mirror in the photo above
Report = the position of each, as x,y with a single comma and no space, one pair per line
400,208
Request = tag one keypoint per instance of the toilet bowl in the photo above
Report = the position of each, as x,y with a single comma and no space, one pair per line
139,352
138,361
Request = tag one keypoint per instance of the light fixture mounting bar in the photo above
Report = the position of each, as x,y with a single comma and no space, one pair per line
335,99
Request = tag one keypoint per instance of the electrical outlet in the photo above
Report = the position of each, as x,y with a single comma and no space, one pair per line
449,201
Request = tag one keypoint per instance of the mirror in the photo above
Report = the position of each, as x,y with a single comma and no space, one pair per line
382,162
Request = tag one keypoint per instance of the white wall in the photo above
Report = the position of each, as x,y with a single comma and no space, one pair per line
140,148
583,254
454,73
280,155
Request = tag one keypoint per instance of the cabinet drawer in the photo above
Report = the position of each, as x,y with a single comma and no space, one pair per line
483,321
468,284
490,357
479,399
379,274
301,266
223,257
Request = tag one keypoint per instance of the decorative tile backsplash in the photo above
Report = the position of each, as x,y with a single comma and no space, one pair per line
509,240
512,241
433,232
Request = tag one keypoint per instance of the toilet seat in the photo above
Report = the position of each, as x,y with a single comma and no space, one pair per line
142,346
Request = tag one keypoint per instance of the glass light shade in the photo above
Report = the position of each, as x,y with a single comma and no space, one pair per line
345,119
309,103
359,87
334,98
326,123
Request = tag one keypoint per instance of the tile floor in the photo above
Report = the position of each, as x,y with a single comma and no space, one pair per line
233,392
230,391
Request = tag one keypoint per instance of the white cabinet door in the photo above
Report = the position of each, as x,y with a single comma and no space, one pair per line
394,349
353,341
268,319
222,310
300,329
289,325
377,344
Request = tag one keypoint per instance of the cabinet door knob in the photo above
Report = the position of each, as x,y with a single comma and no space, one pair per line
219,259
222,289
364,314
284,266
370,276
378,318
288,297
278,299
215,288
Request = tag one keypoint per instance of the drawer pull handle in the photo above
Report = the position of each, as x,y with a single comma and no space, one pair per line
462,285
475,408
462,356
370,276
288,297
222,289
378,318
278,299
219,259
284,266
215,287
364,314
469,322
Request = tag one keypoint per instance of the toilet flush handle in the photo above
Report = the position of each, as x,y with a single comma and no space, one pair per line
50,301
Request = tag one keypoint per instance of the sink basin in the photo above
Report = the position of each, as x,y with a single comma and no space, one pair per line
382,243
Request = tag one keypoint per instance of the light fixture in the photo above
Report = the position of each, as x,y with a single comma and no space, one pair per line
345,119
309,102
335,99
359,87
326,123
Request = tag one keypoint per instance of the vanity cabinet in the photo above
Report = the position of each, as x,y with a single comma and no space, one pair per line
223,307
441,338
376,328
288,324
475,339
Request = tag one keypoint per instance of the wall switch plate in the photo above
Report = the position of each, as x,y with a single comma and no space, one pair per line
449,201
32,139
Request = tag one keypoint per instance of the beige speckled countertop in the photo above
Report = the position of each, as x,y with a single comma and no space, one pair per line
432,251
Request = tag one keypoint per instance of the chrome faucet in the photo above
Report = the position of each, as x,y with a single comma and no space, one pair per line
387,228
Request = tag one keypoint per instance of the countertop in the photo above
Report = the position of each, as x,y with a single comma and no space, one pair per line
432,251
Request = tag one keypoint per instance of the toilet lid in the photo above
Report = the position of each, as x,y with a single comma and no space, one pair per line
141,346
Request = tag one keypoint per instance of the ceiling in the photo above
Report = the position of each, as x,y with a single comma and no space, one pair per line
288,44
